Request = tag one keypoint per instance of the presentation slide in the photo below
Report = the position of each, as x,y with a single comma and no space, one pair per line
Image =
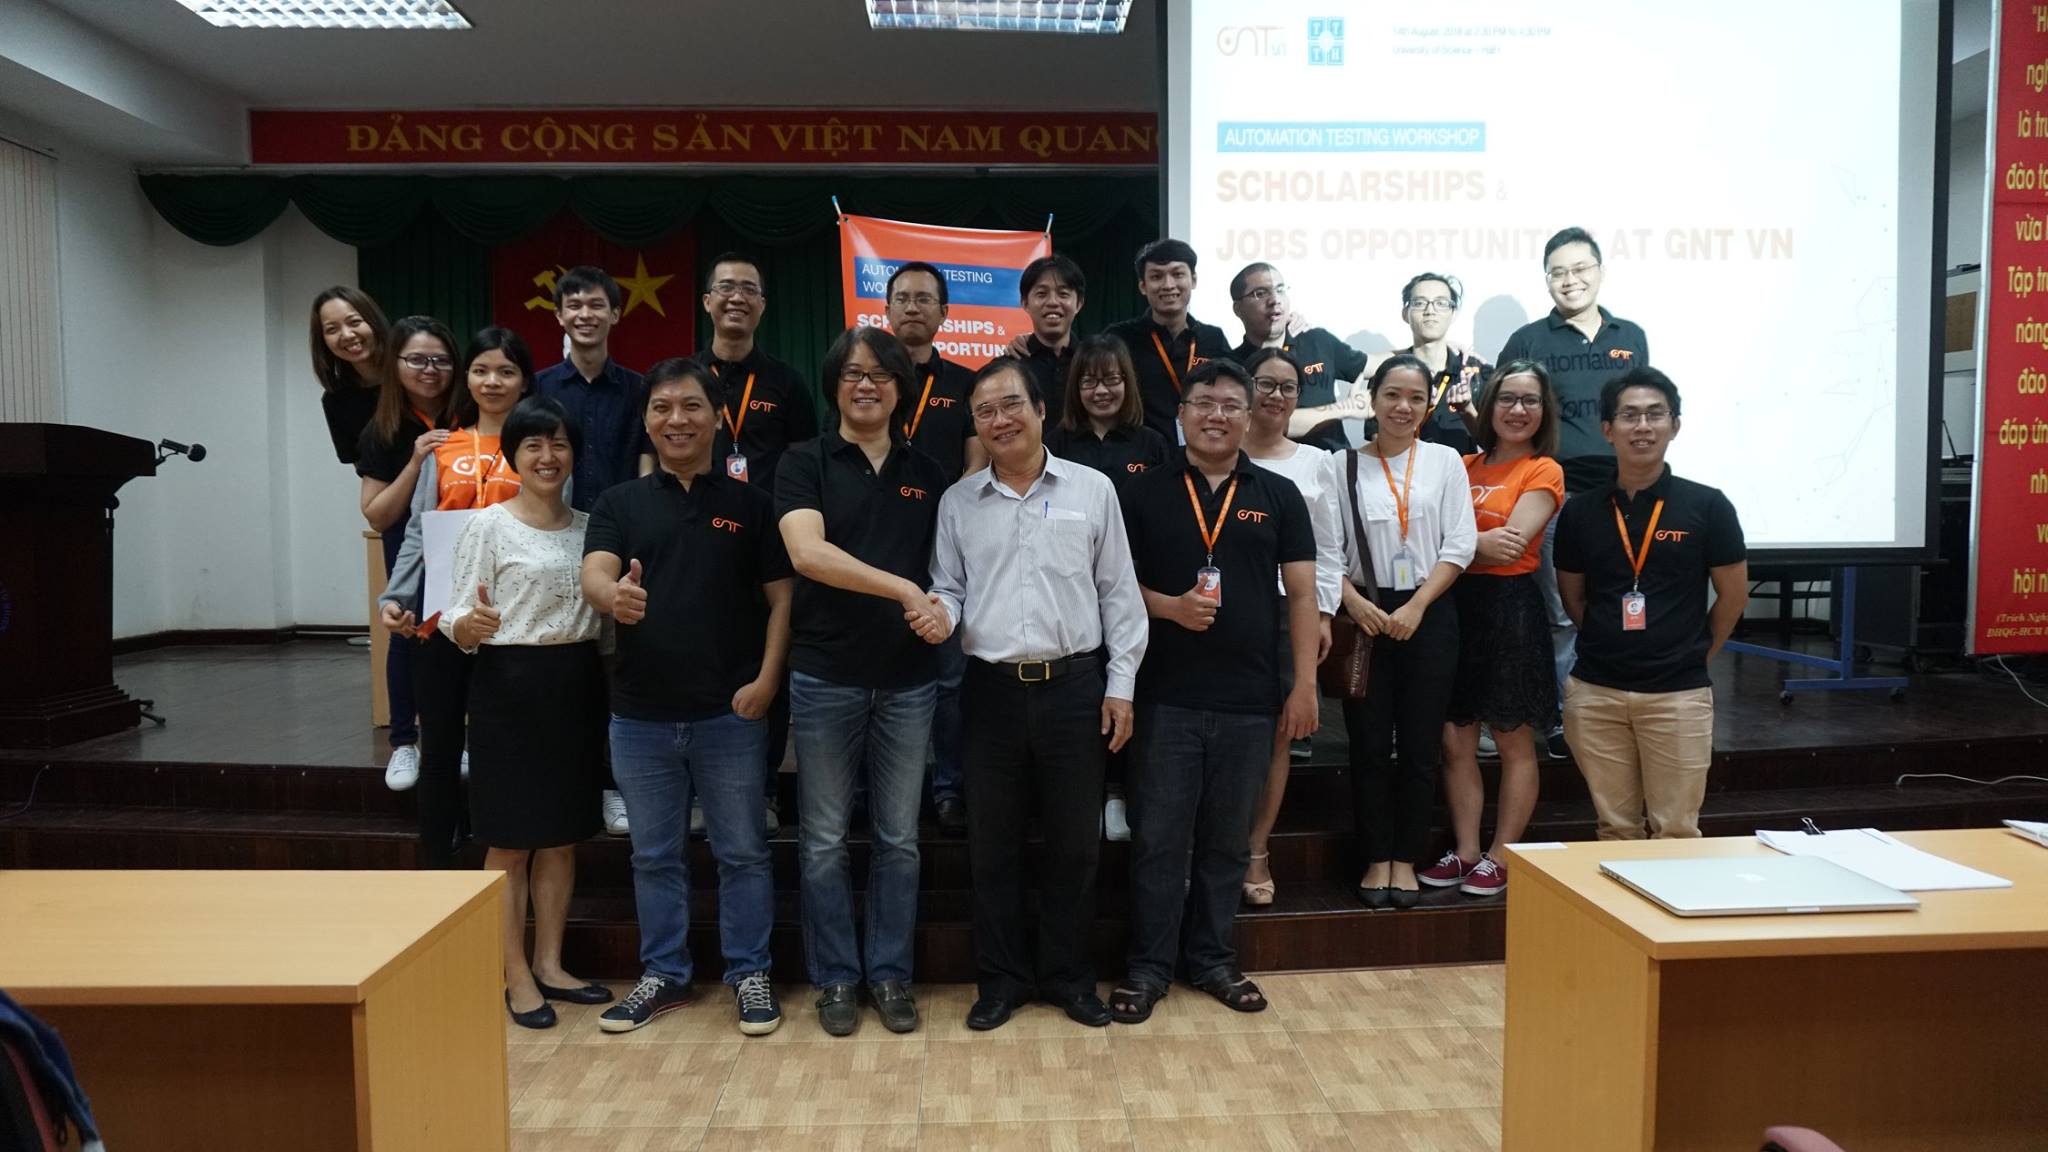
1759,175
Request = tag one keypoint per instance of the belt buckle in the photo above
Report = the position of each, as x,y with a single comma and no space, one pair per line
1044,668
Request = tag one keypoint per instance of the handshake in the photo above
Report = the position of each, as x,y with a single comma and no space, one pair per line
924,614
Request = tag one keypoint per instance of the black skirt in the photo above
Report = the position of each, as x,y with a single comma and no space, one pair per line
536,744
1505,673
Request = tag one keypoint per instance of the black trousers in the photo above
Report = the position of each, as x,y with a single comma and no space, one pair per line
441,673
1025,745
1397,733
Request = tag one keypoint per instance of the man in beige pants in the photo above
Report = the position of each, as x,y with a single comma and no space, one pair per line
1634,561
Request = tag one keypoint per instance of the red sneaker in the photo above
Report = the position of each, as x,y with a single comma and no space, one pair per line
1487,878
1448,872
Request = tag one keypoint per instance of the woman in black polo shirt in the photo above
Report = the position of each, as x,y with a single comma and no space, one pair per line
350,343
1102,419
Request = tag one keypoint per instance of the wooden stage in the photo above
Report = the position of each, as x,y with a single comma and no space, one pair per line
268,761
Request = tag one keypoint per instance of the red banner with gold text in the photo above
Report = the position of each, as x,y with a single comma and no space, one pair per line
658,296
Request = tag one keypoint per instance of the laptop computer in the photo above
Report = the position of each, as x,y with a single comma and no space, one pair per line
1756,886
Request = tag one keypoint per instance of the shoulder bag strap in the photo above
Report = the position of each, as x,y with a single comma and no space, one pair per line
1371,588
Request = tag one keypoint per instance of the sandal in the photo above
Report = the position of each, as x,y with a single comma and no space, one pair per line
1132,1003
1260,895
1234,990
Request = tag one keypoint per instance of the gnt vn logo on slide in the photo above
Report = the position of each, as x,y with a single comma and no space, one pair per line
1326,41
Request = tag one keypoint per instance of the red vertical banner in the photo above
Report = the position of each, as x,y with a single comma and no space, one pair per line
657,290
981,269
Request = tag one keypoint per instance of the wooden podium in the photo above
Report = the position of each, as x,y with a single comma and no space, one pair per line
57,485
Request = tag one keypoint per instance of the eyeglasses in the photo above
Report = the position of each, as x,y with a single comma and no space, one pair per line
1102,383
1575,272
1431,304
881,377
729,288
420,363
1010,406
921,299
1208,408
1509,401
1650,416
1285,389
1262,295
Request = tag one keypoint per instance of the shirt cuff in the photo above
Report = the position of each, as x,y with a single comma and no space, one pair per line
1121,687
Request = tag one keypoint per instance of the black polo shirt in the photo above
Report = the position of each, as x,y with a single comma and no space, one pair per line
776,414
1229,667
348,410
943,427
1164,366
1578,369
1697,531
612,413
1443,425
380,459
1121,455
704,554
1324,360
888,521
1050,368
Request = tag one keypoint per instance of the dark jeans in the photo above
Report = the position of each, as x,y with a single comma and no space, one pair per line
405,728
947,778
1194,786
1397,733
441,674
1034,745
778,739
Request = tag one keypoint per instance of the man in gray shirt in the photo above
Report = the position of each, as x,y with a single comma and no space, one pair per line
1033,565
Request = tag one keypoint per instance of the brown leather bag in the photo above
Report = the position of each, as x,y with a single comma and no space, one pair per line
1346,672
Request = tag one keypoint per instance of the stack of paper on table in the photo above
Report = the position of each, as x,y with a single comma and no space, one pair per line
2031,829
1871,853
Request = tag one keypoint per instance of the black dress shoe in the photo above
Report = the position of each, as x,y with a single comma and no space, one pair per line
952,815
587,994
1083,1008
895,1005
839,1010
1404,897
541,1017
990,1013
1373,897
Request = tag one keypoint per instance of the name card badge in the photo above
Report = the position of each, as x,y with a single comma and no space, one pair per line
1209,582
736,467
1404,572
1635,611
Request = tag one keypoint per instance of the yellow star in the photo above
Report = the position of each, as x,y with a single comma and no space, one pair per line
642,288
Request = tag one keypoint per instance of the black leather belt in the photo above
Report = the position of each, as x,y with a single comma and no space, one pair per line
1042,671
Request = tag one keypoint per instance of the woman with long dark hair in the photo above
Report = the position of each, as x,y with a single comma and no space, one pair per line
350,344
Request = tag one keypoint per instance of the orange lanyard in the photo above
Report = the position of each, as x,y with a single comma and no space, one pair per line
1171,374
1407,482
1636,559
746,399
1209,535
483,473
423,418
917,418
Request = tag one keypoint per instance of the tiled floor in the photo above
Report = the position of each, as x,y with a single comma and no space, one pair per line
1401,1061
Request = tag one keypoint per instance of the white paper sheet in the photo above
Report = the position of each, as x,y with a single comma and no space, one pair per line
1869,852
438,531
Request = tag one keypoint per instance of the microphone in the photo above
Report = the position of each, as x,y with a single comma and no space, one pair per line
193,452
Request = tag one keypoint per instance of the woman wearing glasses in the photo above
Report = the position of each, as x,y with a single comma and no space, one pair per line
1415,504
1504,678
1102,420
1276,389
466,470
408,423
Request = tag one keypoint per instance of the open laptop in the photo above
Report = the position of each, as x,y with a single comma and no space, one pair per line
1756,886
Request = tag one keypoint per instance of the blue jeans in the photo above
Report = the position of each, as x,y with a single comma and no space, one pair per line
1564,636
1194,788
658,766
947,776
841,731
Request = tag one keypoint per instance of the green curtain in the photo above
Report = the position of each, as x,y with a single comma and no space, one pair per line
429,269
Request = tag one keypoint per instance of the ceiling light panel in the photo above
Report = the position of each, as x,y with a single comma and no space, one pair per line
394,14
1100,17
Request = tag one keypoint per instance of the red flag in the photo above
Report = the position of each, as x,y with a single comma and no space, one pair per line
657,290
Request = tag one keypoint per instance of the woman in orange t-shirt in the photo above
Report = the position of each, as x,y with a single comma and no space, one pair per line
468,469
1505,679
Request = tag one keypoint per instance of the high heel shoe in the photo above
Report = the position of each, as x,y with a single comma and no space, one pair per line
1260,895
539,1018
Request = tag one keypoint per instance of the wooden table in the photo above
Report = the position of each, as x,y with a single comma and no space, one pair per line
1631,1028
288,1010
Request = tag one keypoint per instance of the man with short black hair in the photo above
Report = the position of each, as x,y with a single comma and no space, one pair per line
1053,292
1166,343
1259,297
768,406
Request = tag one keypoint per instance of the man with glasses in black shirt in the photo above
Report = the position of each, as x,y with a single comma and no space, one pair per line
1259,297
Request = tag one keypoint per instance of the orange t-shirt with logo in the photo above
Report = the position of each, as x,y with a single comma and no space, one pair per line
460,459
1496,488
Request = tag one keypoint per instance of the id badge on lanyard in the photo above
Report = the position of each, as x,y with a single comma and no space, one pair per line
736,466
1209,578
1635,607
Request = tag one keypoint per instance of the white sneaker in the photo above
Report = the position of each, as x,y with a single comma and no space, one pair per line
615,813
772,820
696,818
1486,745
465,763
1116,824
404,769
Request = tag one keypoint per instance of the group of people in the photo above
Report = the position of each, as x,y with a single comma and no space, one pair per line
1124,555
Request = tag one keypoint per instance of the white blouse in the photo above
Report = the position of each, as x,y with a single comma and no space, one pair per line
534,576
1314,471
1440,524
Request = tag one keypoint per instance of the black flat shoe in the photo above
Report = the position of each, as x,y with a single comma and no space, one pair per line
1404,897
1083,1008
588,994
990,1013
539,1018
1373,897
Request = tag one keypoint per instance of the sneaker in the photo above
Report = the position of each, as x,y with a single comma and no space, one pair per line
759,1012
771,820
465,764
615,814
404,769
651,997
1116,824
1486,745
1555,744
1448,872
1486,879
1300,750
696,818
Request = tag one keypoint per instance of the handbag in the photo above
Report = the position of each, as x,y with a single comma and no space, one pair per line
1346,672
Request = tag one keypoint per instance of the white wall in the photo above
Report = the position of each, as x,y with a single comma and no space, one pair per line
165,337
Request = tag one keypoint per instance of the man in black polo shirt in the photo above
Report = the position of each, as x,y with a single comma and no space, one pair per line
1634,559
1166,343
1206,538
688,562
768,405
1429,302
1259,297
859,507
1053,291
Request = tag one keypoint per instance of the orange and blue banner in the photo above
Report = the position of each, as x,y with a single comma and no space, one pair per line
981,269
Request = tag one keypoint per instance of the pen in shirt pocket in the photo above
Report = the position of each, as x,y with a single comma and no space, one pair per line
1045,510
